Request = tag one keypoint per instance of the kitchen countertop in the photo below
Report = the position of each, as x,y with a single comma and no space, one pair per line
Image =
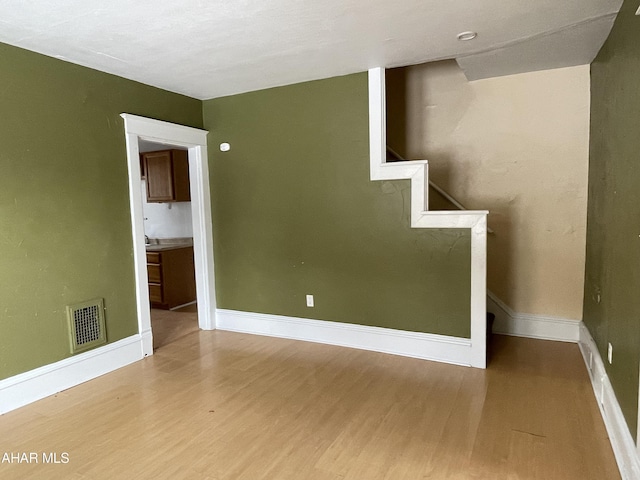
166,246
160,244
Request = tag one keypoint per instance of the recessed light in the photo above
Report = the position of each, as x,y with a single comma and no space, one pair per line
466,36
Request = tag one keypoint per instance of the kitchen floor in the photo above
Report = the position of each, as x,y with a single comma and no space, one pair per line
170,325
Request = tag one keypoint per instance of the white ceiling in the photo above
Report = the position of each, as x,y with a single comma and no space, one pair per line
212,48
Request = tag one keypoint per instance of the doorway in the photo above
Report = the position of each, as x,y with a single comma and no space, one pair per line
194,140
168,229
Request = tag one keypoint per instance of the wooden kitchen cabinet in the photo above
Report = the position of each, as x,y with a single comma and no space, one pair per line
171,277
167,175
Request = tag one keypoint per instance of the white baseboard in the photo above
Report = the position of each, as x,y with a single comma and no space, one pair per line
508,322
426,346
621,440
36,384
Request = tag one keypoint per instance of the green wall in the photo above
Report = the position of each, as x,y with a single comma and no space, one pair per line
65,233
295,213
613,227
294,210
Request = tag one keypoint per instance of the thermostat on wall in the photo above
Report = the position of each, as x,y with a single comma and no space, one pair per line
225,147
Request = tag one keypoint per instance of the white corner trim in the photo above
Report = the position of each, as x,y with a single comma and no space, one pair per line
622,443
425,346
508,322
417,171
377,122
41,382
450,219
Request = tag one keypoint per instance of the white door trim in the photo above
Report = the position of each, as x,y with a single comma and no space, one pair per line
195,140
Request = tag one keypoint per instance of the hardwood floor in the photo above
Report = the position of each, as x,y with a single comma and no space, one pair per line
221,405
170,325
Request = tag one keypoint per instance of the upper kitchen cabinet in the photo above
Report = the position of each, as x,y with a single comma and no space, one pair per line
167,174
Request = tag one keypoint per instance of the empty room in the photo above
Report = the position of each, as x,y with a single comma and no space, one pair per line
319,240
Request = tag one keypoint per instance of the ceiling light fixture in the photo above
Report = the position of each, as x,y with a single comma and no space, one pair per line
466,36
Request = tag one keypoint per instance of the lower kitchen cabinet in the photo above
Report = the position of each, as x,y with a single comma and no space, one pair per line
171,277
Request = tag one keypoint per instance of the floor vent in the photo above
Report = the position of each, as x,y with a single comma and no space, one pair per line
86,325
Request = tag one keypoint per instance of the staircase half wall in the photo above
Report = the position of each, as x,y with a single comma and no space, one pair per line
417,171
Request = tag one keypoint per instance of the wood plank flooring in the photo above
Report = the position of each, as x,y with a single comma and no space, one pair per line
170,325
221,405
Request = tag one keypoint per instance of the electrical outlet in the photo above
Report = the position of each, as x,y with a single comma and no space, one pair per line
610,354
309,300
